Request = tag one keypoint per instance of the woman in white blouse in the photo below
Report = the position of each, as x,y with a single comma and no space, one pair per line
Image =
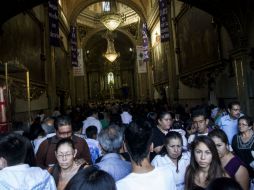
173,157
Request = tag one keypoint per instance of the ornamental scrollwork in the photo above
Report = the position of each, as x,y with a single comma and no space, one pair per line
199,79
18,90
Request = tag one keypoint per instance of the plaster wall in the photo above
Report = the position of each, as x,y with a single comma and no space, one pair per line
191,96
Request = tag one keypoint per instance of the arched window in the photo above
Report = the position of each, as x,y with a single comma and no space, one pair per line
106,6
110,78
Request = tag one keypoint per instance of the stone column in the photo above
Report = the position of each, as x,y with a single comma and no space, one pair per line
52,97
85,79
240,67
150,80
169,49
50,77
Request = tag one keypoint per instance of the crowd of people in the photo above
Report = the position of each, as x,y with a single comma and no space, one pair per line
125,146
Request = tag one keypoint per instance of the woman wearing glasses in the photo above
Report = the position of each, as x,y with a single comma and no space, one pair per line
66,167
172,156
243,142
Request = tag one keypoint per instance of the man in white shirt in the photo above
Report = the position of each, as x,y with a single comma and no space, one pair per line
14,173
144,176
92,120
200,121
126,116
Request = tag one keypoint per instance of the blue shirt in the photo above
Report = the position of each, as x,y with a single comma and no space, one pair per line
115,166
94,149
229,126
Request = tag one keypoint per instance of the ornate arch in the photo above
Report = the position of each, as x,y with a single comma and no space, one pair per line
83,4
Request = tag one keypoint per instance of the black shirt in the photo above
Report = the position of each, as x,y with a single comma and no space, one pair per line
158,137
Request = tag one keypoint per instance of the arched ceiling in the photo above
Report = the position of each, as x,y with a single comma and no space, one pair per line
75,7
94,43
90,16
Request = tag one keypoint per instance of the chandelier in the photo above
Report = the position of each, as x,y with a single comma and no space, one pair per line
110,18
111,53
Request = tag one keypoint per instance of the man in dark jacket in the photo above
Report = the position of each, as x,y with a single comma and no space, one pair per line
46,153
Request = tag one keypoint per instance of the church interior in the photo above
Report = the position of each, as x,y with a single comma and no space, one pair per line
63,53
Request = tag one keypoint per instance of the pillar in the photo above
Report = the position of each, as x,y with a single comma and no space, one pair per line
240,67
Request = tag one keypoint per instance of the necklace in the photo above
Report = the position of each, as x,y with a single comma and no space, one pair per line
245,145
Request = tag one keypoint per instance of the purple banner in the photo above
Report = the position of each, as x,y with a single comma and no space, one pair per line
145,43
53,23
164,25
74,50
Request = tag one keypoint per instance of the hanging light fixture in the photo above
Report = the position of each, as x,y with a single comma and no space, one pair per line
111,53
110,18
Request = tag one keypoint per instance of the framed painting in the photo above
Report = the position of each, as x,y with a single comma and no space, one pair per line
198,40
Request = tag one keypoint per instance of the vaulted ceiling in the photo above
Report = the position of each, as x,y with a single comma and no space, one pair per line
232,13
78,11
73,8
93,34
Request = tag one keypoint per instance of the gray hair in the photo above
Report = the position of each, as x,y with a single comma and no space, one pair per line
111,139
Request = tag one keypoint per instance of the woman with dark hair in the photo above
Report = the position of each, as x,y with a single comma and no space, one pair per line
172,156
91,178
164,123
66,167
243,142
204,165
232,164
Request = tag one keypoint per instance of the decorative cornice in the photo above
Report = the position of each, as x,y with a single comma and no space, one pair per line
199,78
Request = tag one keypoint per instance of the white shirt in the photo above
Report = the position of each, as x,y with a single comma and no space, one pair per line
160,178
126,117
37,142
24,177
89,122
182,165
192,137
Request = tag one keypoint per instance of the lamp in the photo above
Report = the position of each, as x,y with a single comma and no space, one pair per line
111,53
111,19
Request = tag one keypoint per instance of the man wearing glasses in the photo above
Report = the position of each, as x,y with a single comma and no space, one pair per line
45,156
228,123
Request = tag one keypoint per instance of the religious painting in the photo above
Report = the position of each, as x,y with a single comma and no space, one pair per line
160,64
198,40
21,41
